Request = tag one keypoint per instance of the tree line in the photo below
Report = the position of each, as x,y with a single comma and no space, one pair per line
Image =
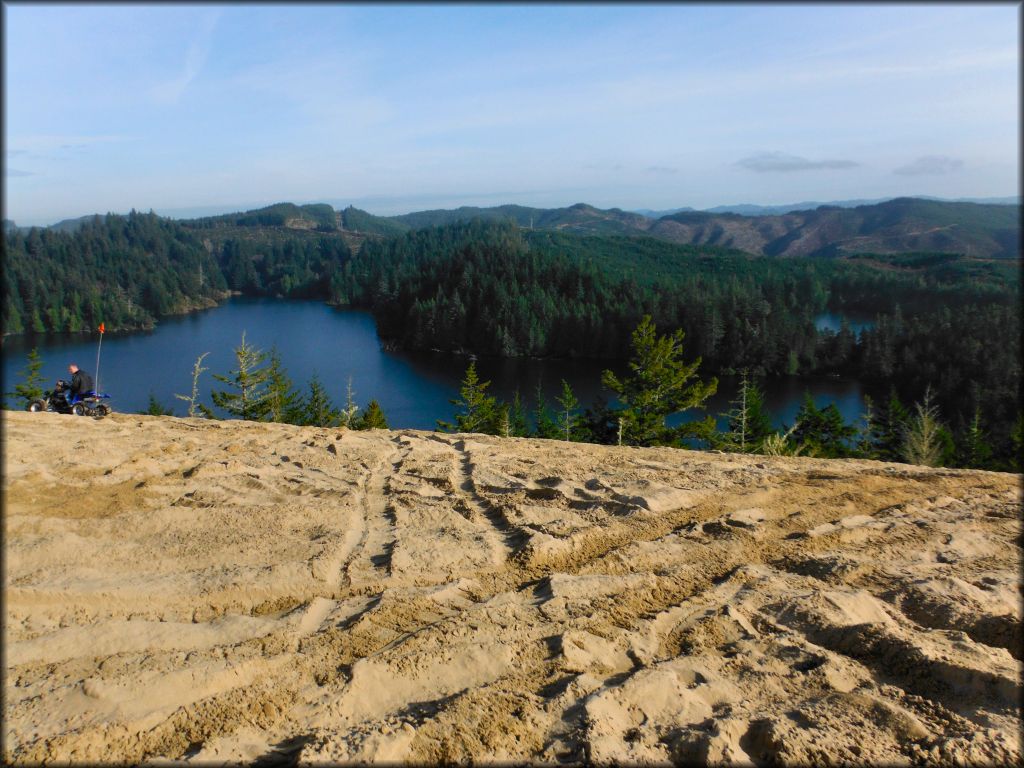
260,389
660,384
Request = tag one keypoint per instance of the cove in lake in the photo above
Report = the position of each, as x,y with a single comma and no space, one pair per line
414,389
830,321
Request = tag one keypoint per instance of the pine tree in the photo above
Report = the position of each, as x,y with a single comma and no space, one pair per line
479,410
598,423
922,442
156,408
568,414
284,404
547,427
887,428
504,422
749,422
317,408
372,418
865,447
975,450
517,418
249,401
29,388
661,384
822,430
193,399
348,413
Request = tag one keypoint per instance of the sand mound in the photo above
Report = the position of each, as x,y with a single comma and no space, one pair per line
227,591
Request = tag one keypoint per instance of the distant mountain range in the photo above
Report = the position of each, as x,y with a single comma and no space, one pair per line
989,228
902,225
746,209
895,226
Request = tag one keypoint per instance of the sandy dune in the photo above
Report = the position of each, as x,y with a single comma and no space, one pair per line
221,591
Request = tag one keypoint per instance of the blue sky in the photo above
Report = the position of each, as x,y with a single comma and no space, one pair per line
398,108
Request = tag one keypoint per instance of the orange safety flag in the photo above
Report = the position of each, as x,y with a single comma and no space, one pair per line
103,328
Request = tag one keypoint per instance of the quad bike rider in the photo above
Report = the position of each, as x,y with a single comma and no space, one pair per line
81,384
77,396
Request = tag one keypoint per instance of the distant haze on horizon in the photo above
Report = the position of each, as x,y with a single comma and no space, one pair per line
401,108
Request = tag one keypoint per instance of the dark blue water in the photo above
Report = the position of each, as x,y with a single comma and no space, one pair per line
414,389
830,321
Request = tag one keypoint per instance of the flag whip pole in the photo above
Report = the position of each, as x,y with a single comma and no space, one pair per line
98,348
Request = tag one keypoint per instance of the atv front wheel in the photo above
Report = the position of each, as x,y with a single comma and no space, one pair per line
79,409
36,406
100,411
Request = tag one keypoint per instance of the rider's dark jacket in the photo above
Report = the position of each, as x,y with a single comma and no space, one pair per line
81,383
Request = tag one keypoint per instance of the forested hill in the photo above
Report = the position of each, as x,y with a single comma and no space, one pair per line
902,225
576,218
319,216
126,271
897,226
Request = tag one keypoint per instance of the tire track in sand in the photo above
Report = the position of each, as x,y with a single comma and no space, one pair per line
371,562
505,538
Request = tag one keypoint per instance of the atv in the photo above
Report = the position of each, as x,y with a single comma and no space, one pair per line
58,400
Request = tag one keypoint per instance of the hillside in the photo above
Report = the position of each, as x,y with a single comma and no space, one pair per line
316,216
898,226
357,220
576,218
902,225
238,592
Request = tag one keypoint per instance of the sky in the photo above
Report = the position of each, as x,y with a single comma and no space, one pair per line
189,109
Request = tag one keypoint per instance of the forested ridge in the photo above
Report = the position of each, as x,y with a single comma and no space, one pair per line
124,271
317,215
891,226
494,288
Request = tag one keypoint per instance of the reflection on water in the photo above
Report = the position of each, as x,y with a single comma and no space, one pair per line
414,389
857,322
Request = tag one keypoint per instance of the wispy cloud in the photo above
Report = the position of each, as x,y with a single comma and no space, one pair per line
780,162
930,165
643,107
16,172
170,91
970,62
48,142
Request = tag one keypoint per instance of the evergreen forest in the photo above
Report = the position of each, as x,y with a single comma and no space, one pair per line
945,325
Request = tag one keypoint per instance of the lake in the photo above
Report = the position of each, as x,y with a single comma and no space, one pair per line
830,321
414,389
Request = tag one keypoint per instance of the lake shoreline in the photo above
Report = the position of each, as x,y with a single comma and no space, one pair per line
415,388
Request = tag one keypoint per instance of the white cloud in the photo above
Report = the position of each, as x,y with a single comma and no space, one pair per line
170,91
930,165
780,162
48,142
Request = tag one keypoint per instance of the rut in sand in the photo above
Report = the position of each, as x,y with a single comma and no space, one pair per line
232,591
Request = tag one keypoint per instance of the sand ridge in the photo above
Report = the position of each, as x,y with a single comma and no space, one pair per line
209,592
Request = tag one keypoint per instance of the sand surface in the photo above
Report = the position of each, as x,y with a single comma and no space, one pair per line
223,591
